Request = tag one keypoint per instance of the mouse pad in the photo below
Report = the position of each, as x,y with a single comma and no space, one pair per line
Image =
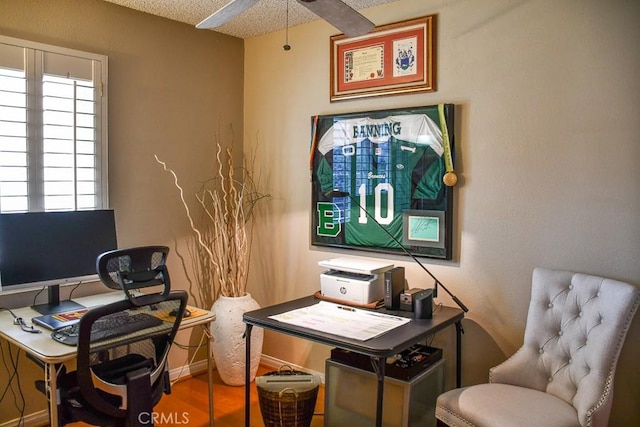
195,312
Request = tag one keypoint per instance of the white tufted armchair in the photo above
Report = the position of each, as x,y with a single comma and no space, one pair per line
562,376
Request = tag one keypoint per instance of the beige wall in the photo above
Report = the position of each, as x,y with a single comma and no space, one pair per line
548,145
171,88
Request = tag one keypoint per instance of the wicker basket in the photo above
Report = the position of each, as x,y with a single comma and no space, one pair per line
287,397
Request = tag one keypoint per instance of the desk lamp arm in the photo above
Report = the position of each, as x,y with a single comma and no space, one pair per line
337,193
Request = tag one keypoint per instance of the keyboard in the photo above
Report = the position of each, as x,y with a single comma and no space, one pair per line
107,327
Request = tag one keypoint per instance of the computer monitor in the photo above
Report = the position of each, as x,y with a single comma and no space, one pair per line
48,249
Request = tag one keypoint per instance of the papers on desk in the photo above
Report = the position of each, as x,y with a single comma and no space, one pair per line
341,320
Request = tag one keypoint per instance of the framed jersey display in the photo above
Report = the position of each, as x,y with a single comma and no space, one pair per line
378,180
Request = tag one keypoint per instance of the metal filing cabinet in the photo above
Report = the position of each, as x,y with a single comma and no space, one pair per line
350,397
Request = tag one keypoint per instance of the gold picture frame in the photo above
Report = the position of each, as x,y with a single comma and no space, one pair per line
392,59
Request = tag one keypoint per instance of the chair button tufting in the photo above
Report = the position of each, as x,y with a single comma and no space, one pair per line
570,286
550,305
559,333
550,379
598,294
580,314
541,351
570,360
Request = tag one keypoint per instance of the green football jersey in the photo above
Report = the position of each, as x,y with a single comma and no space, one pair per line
388,165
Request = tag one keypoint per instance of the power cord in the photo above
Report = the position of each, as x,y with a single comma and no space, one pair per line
20,321
35,297
74,288
186,347
13,375
429,341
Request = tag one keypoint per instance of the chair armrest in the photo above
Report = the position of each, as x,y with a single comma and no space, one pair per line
523,369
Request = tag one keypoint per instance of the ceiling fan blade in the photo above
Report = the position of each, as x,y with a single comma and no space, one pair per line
340,15
226,13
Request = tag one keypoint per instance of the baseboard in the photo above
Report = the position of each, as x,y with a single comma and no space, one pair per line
200,366
274,363
41,418
36,419
187,371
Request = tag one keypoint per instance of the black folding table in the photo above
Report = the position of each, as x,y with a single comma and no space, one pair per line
378,348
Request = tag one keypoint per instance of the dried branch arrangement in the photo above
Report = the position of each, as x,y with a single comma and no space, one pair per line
222,239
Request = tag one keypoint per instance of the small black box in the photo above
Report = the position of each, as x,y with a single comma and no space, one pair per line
406,299
402,366
393,287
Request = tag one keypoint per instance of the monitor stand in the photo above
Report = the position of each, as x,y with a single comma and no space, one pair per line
54,305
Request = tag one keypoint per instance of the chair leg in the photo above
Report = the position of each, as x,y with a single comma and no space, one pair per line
139,399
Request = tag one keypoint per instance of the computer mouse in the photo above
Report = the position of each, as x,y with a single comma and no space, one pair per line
173,313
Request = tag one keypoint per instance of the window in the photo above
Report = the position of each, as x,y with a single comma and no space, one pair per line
53,128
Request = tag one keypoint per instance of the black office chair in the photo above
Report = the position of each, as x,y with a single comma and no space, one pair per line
118,380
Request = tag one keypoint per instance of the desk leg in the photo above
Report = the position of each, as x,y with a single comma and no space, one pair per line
209,374
247,376
380,371
459,332
50,380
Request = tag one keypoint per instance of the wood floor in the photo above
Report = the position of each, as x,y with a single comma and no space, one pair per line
188,404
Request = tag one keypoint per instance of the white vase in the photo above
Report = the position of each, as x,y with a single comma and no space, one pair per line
228,339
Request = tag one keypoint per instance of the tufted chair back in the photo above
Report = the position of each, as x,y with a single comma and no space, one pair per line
575,329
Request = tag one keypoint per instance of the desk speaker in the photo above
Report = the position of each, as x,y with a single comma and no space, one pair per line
423,304
419,301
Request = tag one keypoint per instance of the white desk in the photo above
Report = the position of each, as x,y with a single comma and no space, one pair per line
50,352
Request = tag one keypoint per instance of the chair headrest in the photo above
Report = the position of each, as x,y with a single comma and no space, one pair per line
134,268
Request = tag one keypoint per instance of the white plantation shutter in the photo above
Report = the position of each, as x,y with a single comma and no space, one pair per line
13,129
53,136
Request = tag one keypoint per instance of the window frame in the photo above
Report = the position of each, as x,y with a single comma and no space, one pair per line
34,71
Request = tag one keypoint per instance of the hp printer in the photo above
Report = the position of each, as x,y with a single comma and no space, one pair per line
354,280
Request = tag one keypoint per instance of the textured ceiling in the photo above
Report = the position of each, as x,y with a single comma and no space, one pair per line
264,17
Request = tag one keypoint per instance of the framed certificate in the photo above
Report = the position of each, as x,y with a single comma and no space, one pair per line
392,59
